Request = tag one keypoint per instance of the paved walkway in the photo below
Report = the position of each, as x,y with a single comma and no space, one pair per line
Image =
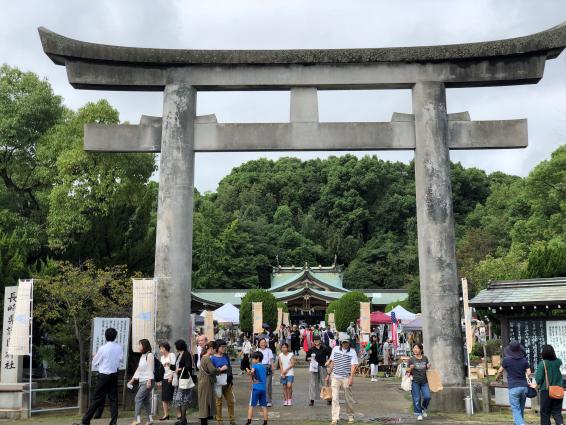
379,402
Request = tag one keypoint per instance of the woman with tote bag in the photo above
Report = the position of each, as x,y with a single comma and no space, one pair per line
182,381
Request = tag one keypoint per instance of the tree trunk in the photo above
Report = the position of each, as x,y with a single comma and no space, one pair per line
82,359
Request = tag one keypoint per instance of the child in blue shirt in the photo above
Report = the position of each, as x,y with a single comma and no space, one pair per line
259,393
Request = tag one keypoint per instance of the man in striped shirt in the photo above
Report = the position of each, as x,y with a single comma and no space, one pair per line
342,365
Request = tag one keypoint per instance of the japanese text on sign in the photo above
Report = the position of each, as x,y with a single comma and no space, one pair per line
122,326
9,362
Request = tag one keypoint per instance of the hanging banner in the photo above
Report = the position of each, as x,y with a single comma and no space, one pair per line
11,365
257,315
19,343
467,316
286,319
279,317
122,326
143,312
365,318
209,324
331,320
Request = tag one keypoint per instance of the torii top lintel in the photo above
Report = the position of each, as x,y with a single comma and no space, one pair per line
502,62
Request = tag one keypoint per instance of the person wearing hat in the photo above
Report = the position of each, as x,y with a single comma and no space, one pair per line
342,366
517,367
318,355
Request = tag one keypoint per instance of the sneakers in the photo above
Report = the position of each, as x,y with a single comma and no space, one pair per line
269,405
290,402
351,420
420,418
333,423
311,403
424,413
285,403
373,380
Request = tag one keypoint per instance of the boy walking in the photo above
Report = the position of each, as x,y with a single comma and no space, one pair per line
259,392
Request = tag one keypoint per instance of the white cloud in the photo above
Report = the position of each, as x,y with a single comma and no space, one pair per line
270,24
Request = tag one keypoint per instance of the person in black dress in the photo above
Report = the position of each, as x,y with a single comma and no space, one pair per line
183,369
295,340
373,351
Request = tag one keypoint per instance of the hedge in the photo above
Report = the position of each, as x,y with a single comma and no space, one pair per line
269,309
348,309
331,308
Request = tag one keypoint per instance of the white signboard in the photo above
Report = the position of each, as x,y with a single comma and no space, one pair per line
143,312
19,337
257,314
556,336
10,364
122,326
209,324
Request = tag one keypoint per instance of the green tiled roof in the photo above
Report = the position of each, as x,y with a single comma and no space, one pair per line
331,278
234,296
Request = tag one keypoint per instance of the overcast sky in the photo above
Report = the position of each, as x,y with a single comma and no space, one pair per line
265,24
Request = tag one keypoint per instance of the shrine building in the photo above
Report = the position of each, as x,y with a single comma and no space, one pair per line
307,291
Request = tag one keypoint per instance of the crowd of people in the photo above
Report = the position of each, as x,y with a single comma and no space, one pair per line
332,362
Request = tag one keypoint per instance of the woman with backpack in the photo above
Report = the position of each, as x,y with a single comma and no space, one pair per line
144,376
551,386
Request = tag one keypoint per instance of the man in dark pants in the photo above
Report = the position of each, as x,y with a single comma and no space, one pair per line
107,360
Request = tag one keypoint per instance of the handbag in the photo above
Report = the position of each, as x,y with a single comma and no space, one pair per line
326,393
554,391
406,384
313,366
531,392
186,384
222,379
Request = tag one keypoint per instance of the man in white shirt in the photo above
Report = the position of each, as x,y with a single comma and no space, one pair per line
342,365
107,360
201,342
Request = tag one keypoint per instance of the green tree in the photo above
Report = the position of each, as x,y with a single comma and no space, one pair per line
348,309
269,309
546,260
283,306
331,308
28,109
67,297
101,204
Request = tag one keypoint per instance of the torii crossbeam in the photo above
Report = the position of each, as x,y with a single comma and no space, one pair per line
430,131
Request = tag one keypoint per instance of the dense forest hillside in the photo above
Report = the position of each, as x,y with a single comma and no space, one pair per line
59,203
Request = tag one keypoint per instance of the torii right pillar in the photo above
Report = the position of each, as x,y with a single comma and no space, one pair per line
436,241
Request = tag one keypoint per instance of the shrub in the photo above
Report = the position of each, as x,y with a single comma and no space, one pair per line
269,309
282,305
348,309
331,308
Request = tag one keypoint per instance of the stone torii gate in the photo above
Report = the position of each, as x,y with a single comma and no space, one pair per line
430,131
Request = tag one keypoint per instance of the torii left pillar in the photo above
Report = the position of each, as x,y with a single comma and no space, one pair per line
174,243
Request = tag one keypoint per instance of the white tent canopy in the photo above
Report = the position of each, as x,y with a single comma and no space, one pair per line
405,316
228,313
